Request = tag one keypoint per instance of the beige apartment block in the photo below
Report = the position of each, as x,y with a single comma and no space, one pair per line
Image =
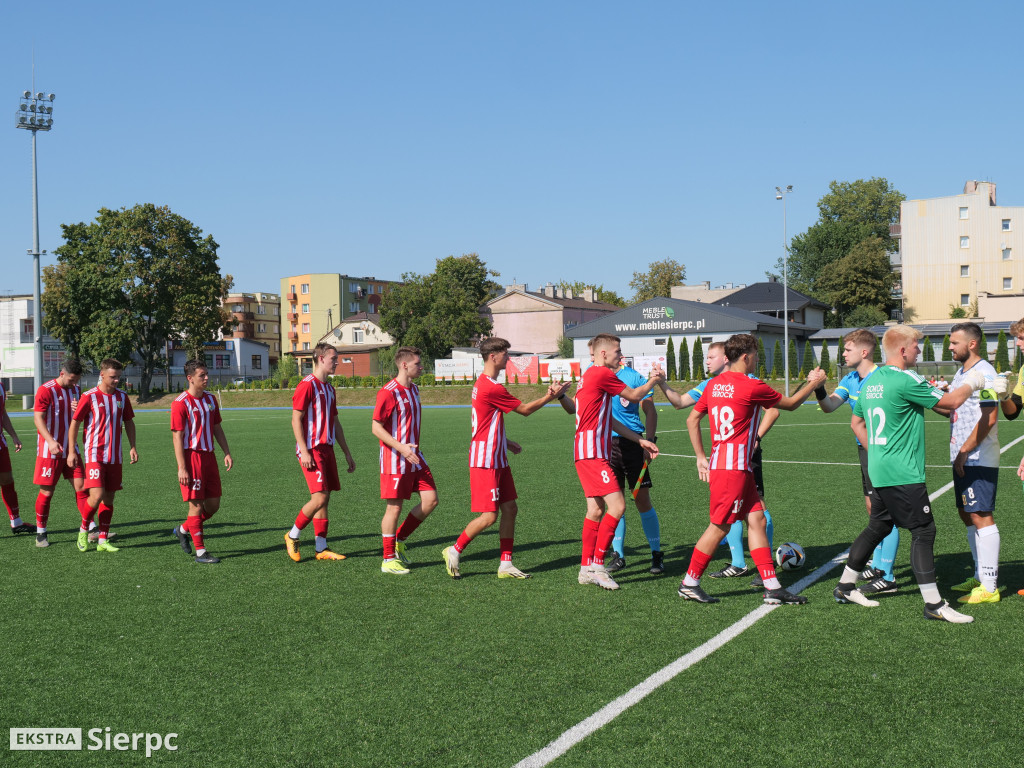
257,317
313,304
956,249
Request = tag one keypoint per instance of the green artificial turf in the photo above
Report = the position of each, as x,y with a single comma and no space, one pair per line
261,661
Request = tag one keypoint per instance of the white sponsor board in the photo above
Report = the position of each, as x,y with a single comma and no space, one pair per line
642,363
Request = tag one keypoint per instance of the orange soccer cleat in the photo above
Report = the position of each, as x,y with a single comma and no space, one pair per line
327,554
292,545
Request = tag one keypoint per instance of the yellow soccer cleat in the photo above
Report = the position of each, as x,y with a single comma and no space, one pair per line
292,545
400,551
966,586
106,546
980,595
393,567
326,554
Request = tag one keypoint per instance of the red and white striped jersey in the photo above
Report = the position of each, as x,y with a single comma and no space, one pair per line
318,402
598,386
491,401
735,402
398,411
102,416
196,418
58,404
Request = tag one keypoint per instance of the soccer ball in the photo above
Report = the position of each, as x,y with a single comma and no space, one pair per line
790,556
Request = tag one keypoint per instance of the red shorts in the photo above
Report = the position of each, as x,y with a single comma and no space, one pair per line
49,471
5,459
597,477
324,474
404,486
203,476
490,488
733,496
105,476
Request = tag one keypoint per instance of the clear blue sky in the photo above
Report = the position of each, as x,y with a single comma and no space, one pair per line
559,140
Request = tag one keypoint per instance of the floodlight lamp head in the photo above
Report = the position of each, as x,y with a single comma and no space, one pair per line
789,188
26,95
51,97
39,95
778,195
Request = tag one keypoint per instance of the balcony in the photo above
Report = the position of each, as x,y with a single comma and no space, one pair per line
292,316
243,316
293,336
291,297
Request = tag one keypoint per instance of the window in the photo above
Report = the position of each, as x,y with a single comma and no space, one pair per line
305,345
261,327
1007,283
1007,254
223,361
357,335
1006,225
965,270
963,212
238,308
260,309
305,327
353,307
27,325
294,346
305,287
965,241
209,362
659,342
965,299
277,346
291,288
277,328
352,287
305,309
277,310
257,363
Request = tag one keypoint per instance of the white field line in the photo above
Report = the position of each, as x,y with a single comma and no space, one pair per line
637,693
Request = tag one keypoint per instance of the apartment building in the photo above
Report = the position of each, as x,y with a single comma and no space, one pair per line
953,250
258,318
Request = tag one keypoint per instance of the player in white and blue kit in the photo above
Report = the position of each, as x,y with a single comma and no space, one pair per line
627,462
858,352
974,454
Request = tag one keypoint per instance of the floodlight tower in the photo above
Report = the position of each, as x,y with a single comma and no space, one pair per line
35,113
780,194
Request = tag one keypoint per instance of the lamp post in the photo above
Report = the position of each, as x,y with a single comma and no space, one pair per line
780,194
35,114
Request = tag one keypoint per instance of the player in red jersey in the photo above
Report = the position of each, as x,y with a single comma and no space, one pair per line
491,489
736,402
592,450
403,470
195,423
316,428
7,491
102,410
55,404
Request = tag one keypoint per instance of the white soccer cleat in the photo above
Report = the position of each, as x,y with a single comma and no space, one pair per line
945,612
602,578
508,571
853,595
451,562
585,576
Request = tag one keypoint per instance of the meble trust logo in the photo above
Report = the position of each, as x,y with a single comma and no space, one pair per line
96,739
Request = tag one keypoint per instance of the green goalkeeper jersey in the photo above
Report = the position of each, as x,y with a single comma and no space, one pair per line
892,404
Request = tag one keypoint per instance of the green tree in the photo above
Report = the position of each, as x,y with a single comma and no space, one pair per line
848,214
130,280
862,278
776,368
670,359
927,349
983,347
441,310
698,359
808,359
566,347
684,360
947,355
1002,362
285,370
793,367
600,292
658,280
826,359
957,312
865,317
763,364
877,356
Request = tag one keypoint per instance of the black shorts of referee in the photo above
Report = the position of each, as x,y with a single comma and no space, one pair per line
627,461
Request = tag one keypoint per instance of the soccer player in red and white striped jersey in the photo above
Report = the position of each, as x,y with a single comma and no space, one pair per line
592,447
736,402
103,410
55,405
7,491
491,488
195,423
403,470
317,429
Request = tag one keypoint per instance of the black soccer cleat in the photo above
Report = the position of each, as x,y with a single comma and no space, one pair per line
870,574
206,559
730,572
657,563
783,596
696,593
848,593
183,538
616,565
757,581
878,587
41,540
23,528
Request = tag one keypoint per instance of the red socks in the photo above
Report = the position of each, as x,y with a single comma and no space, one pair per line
462,542
302,521
82,499
389,547
10,497
506,550
42,509
590,533
698,564
411,524
103,516
194,526
762,557
605,534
